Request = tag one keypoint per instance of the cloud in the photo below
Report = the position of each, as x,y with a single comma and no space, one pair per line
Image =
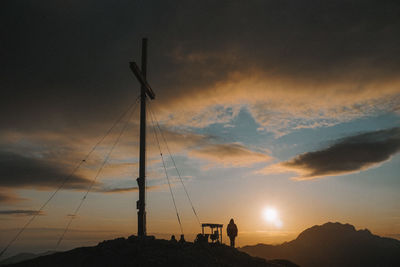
125,189
21,212
294,63
179,140
7,197
275,70
281,105
345,156
42,161
18,171
235,155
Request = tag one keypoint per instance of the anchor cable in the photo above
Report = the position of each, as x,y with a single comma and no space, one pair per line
176,168
166,174
73,216
65,180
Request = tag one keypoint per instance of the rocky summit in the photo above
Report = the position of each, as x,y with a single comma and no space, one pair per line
152,252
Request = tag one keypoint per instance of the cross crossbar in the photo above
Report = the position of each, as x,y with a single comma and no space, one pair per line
139,76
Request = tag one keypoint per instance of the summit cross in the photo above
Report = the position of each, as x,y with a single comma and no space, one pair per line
145,91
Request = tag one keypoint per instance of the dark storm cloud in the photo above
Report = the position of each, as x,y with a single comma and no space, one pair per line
65,65
21,212
348,155
17,171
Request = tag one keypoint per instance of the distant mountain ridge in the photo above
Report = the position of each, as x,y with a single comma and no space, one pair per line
333,244
24,257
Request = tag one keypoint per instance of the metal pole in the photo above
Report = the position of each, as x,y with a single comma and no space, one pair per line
141,205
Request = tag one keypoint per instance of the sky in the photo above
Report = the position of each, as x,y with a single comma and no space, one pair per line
289,108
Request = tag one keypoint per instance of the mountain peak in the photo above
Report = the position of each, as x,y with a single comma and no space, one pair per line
333,235
334,244
330,230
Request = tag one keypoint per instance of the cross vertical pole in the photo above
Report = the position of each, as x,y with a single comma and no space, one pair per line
141,205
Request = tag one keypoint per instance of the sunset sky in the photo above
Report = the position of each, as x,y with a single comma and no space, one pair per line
289,108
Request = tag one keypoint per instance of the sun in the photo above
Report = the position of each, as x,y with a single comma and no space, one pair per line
271,216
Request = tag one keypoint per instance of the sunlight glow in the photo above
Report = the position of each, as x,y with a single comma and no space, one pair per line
271,216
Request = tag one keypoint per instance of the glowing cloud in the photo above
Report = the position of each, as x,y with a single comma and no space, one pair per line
235,155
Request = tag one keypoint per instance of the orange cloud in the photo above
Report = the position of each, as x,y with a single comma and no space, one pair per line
280,103
235,155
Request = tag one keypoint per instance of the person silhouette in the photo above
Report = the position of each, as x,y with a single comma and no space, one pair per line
173,239
182,239
232,232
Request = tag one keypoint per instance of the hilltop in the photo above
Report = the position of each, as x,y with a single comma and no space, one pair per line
333,244
152,252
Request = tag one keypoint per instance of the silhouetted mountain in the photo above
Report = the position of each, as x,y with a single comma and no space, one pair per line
23,257
152,252
333,244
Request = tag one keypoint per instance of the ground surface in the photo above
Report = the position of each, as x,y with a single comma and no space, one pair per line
151,252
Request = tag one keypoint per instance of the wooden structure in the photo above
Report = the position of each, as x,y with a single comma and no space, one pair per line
145,92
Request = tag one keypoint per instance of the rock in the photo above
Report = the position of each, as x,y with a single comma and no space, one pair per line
135,251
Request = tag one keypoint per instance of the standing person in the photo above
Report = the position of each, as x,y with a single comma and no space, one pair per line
232,232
